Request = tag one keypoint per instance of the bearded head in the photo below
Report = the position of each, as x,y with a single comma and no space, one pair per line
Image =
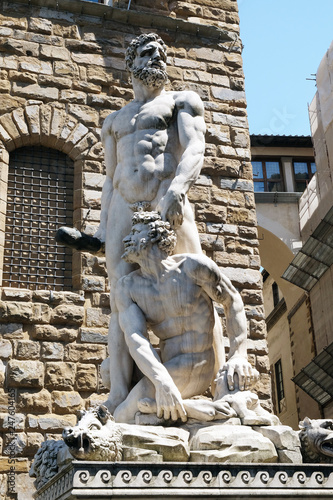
145,59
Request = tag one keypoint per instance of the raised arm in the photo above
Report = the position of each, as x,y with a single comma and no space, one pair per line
191,135
133,323
220,289
110,156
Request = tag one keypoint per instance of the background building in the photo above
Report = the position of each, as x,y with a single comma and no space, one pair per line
294,199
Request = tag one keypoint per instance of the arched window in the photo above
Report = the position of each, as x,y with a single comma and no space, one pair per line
39,201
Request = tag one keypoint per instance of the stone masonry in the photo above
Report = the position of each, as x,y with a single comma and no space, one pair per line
61,73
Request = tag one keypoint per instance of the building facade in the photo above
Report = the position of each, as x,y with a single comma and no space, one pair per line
296,250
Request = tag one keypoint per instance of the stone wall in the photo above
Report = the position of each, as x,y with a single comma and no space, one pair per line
62,72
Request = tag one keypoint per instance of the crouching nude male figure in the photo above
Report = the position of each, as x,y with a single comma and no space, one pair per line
173,294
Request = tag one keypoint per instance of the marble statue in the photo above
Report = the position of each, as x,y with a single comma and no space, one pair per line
154,149
173,295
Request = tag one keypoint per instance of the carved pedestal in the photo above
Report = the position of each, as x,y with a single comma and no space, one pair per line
133,480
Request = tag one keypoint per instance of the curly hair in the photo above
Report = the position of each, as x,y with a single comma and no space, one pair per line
131,51
160,231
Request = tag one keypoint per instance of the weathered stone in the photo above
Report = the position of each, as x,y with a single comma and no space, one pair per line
211,213
290,456
97,317
236,184
283,436
84,113
11,330
2,371
4,397
9,103
138,455
20,47
65,69
40,25
226,443
69,315
21,465
206,54
86,377
257,329
73,96
231,259
60,375
232,121
171,442
262,364
14,444
26,349
199,194
25,374
54,333
50,422
32,117
35,65
263,386
85,352
96,336
93,283
12,422
55,53
242,278
55,81
52,350
24,485
6,349
39,402
35,92
16,311
18,116
66,402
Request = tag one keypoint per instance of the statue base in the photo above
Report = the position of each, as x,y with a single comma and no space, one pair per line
124,480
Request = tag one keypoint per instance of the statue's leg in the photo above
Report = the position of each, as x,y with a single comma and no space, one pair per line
188,241
121,363
190,372
219,351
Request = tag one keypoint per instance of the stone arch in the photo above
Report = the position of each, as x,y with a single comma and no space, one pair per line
275,256
50,126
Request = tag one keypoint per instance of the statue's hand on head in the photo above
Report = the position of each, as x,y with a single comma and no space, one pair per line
239,367
171,207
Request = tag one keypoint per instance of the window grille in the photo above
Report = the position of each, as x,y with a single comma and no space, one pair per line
39,201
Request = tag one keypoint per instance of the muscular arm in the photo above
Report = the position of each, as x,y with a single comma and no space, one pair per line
134,326
110,157
220,289
191,134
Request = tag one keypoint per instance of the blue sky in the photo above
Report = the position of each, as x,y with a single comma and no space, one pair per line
284,40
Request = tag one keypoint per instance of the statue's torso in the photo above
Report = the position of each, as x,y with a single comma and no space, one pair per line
147,148
179,312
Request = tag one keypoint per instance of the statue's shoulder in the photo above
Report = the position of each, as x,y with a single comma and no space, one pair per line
187,99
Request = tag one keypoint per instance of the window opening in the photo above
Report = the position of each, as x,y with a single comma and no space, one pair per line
279,386
267,176
304,170
39,201
275,290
